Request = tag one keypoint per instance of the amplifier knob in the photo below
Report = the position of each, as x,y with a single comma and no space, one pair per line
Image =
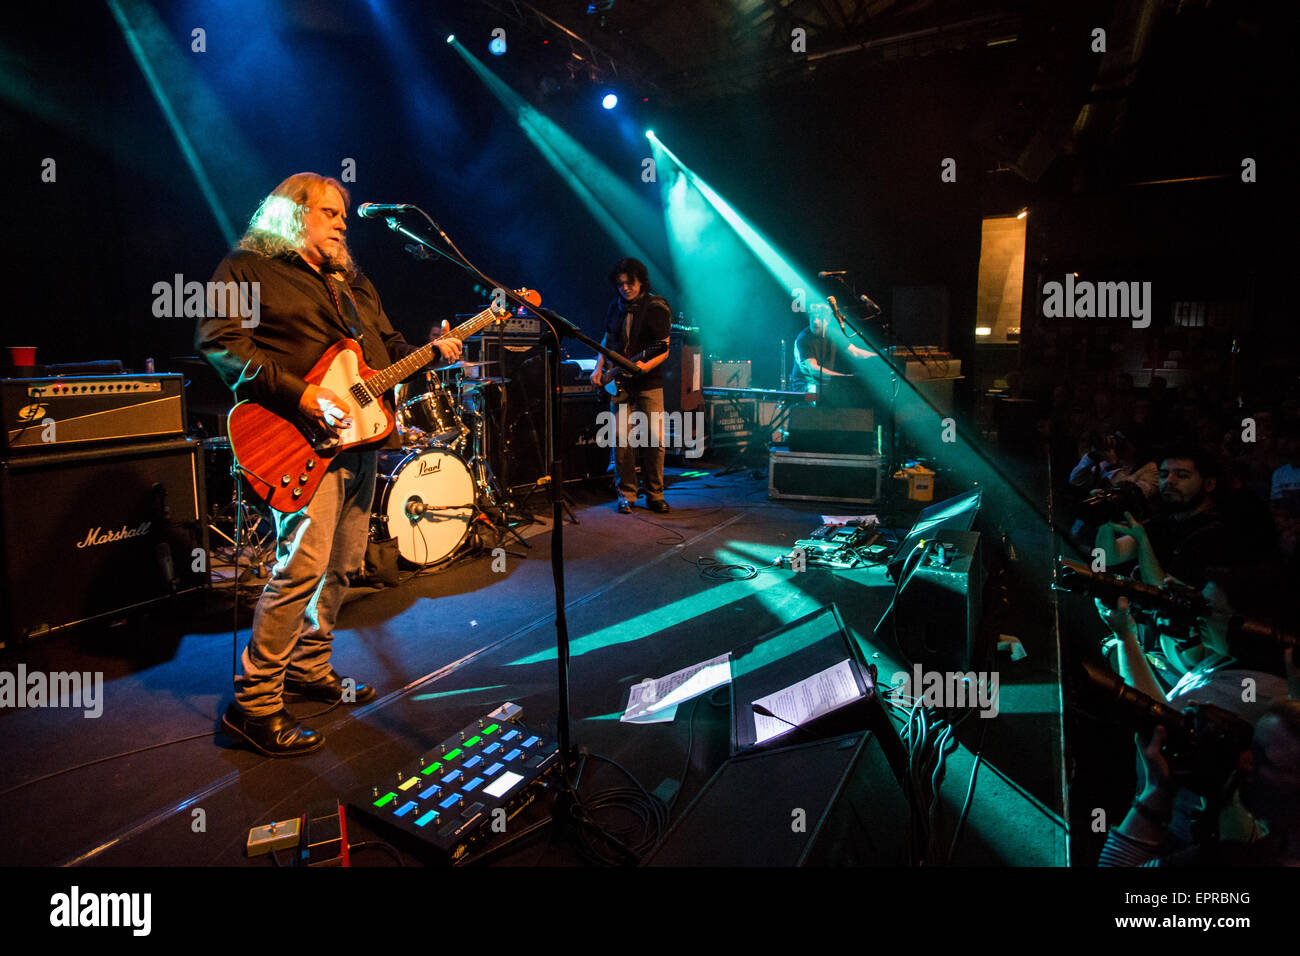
311,463
302,479
284,481
297,492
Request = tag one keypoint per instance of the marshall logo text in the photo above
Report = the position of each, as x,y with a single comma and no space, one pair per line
99,536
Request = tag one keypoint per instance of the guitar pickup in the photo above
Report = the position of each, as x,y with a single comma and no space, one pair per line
360,393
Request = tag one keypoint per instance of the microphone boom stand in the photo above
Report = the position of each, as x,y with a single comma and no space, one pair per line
560,327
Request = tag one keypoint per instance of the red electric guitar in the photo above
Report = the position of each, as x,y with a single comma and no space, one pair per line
283,460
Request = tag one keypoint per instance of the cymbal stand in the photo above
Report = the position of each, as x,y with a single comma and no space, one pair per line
490,497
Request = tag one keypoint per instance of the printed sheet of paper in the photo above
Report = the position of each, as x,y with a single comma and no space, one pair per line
656,696
807,700
640,708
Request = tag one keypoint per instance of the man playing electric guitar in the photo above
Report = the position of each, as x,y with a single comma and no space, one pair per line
637,324
309,296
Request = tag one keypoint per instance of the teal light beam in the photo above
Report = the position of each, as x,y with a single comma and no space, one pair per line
933,433
619,209
129,32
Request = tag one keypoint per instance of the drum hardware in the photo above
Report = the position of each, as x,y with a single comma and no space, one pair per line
460,366
245,519
496,505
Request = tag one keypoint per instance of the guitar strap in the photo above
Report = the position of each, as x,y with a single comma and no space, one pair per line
346,306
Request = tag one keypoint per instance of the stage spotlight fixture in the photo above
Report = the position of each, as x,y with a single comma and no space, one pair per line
498,46
649,134
1023,213
609,101
451,38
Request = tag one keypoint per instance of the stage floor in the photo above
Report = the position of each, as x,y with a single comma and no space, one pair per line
150,782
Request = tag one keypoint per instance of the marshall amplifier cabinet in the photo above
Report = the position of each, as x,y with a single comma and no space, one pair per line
92,533
46,414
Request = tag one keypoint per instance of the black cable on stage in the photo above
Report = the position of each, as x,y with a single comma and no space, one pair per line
376,845
690,743
637,802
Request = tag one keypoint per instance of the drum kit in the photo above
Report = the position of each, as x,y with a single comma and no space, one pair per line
428,492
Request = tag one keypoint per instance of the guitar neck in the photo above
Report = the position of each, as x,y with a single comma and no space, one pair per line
383,380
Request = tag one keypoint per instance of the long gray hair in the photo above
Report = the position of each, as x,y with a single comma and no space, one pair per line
276,228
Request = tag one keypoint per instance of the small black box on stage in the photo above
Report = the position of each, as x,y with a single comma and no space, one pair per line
937,614
845,431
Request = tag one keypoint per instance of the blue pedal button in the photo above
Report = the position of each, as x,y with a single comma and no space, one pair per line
404,809
530,741
472,762
492,749
450,801
424,820
452,777
477,781
512,755
430,791
493,769
510,736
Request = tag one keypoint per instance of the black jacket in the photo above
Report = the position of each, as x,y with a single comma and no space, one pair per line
297,322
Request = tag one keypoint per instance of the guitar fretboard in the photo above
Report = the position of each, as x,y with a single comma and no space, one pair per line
383,380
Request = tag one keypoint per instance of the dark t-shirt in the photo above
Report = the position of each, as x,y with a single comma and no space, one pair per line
651,323
809,345
1187,548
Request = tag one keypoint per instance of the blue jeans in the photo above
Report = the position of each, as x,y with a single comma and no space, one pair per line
651,454
293,625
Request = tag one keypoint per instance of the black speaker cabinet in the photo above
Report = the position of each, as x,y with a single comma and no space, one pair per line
937,613
841,431
92,533
832,802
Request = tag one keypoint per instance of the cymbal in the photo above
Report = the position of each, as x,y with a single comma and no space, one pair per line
489,380
459,365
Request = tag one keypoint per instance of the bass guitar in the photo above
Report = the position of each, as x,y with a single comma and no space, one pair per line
284,459
614,379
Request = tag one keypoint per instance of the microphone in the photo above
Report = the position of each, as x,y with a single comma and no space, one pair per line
839,318
867,300
764,712
372,210
834,272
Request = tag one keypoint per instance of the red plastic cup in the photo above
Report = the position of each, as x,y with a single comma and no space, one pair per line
21,355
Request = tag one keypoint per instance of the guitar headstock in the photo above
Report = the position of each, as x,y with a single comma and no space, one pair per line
531,296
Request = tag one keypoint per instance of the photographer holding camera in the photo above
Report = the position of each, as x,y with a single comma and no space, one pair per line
1117,477
1188,537
1268,783
1113,460
1234,664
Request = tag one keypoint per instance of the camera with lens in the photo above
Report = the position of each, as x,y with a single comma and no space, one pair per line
1175,608
1204,742
1110,505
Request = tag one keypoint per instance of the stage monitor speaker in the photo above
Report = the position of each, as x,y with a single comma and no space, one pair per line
831,802
937,614
841,431
92,533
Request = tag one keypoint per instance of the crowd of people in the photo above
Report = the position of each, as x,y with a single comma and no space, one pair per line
1195,490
